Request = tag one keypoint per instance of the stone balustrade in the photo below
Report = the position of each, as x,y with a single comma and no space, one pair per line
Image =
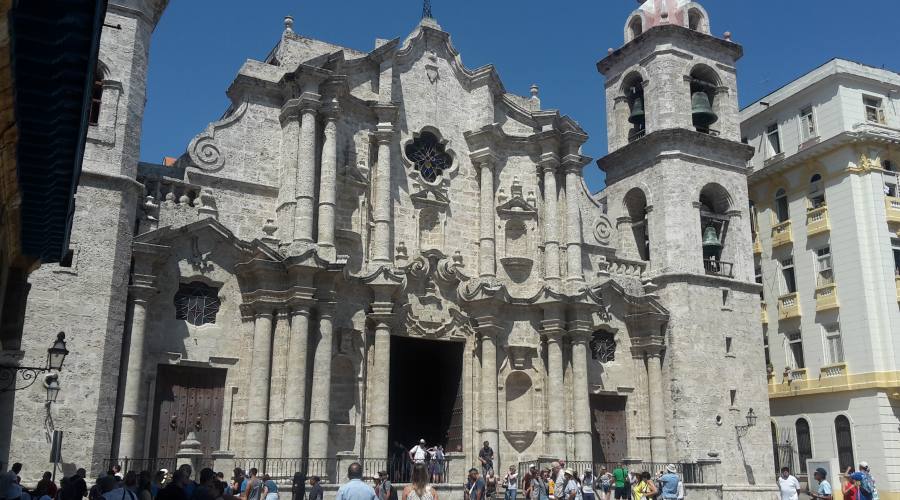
781,234
789,306
817,221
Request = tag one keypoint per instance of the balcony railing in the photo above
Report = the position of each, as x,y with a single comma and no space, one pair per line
718,268
826,296
892,207
763,313
781,234
797,374
834,370
817,221
788,306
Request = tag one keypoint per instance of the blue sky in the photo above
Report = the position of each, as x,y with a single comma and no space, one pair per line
199,46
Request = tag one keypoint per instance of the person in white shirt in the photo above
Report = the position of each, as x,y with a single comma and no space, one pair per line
512,483
418,453
788,485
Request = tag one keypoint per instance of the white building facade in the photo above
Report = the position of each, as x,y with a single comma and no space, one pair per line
827,250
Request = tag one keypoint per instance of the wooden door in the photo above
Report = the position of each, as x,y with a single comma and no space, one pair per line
610,434
187,399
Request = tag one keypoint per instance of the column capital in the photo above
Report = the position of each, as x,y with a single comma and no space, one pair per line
384,133
488,326
651,346
142,287
573,164
382,313
257,309
549,162
309,102
553,328
331,110
484,158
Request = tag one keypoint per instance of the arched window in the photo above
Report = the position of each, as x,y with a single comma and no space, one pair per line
694,19
816,192
781,206
844,442
714,205
636,206
804,443
635,28
704,87
633,90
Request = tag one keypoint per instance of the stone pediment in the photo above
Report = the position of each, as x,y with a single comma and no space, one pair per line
430,197
205,228
516,207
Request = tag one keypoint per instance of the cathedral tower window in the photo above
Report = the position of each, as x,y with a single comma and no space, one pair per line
697,21
636,207
714,206
635,28
429,156
197,303
704,85
633,90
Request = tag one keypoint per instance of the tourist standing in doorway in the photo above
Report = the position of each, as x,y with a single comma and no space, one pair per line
486,457
788,485
418,454
419,489
511,483
437,463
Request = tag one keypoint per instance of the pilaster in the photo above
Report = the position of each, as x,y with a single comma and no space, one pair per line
381,318
295,405
487,257
552,329
490,328
549,166
310,101
328,181
573,165
260,371
383,210
320,396
580,336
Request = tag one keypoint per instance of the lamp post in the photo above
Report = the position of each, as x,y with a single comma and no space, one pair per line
10,376
751,422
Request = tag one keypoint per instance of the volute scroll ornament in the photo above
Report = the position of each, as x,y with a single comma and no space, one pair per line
203,151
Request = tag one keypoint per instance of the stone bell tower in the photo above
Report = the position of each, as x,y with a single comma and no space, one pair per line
87,296
677,188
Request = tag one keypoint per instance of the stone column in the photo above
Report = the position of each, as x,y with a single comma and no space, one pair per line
549,163
490,431
655,405
551,327
290,137
295,404
328,183
306,169
487,260
580,392
573,222
320,396
383,209
379,390
131,438
278,389
260,371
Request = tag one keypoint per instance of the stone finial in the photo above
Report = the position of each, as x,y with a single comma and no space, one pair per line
402,252
458,259
531,199
516,188
269,229
727,36
288,24
610,50
534,91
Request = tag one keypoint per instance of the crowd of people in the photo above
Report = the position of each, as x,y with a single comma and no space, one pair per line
558,482
855,485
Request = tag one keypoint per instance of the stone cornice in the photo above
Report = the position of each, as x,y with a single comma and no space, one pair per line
662,35
673,143
705,280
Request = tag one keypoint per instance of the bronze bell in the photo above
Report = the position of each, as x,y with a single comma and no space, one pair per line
637,111
702,111
711,238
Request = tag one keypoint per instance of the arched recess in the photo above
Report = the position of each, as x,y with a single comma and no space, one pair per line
804,443
634,28
715,206
516,234
816,194
706,101
635,202
635,121
697,19
843,434
519,402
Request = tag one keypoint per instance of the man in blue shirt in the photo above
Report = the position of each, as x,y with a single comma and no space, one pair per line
824,491
670,482
355,489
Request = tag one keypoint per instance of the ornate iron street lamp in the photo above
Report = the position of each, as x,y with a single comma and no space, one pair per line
56,355
751,422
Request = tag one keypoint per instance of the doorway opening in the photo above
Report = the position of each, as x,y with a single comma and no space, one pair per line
610,431
188,399
426,394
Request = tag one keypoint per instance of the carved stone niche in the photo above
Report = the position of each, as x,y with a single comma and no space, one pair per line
519,221
431,219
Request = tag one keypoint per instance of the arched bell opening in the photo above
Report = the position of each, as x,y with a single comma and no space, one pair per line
636,207
635,28
715,203
704,86
633,90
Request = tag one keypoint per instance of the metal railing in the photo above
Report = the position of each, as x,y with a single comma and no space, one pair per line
283,469
399,468
637,135
140,464
690,472
718,268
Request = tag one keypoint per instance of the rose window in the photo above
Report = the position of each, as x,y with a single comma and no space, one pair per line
428,156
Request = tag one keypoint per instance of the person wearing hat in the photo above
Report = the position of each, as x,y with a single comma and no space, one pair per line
670,484
384,490
867,490
419,453
572,489
823,492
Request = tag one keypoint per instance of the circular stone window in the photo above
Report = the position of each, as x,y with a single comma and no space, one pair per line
428,156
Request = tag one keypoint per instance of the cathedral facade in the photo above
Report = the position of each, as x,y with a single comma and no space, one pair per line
373,247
